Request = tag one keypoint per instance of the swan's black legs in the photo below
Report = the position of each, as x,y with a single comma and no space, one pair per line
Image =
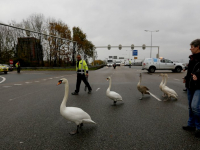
74,132
81,125
114,103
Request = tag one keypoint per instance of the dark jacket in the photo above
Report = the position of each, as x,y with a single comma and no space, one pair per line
194,68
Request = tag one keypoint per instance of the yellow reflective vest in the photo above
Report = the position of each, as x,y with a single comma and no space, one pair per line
17,65
82,67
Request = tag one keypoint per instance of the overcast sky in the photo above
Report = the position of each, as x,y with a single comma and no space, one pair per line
122,22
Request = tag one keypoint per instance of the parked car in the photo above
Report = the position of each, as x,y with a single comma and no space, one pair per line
10,68
3,68
109,64
118,63
152,64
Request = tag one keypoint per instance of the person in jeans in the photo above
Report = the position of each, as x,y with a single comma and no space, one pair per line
82,72
192,80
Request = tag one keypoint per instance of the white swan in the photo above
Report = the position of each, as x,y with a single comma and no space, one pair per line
74,114
111,94
168,91
142,89
162,83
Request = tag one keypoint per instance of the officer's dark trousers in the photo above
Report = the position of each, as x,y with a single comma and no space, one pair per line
18,69
78,82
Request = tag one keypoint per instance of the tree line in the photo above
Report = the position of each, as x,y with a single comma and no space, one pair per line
56,52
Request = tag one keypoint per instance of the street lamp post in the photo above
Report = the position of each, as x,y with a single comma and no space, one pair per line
151,38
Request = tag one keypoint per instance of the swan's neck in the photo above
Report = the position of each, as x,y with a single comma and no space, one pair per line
63,104
165,81
108,90
161,83
138,85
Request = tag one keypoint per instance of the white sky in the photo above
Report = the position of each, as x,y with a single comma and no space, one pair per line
122,22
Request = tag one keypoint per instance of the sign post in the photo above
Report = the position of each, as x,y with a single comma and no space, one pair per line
11,62
135,53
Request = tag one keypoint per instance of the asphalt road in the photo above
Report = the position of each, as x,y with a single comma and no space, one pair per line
31,120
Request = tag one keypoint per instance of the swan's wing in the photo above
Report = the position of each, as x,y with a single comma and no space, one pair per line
144,88
113,95
170,91
74,114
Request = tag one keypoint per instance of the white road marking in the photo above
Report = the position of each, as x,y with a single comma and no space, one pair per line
17,84
4,79
97,89
50,78
155,96
177,79
28,82
7,86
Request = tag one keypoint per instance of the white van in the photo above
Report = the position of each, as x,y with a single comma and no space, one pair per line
152,64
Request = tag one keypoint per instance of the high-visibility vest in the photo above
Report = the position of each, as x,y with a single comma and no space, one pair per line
82,67
129,62
16,64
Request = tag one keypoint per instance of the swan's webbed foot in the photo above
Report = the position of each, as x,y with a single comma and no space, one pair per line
114,103
74,132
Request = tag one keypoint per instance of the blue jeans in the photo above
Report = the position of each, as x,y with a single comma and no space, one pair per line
194,108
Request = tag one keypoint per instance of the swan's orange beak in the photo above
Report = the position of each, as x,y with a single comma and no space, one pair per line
59,82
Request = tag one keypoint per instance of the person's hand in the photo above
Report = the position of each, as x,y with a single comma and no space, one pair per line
194,76
86,74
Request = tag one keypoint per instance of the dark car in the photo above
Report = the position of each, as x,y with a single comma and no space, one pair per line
10,68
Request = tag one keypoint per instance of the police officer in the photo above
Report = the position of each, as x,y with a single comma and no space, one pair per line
82,71
18,67
129,64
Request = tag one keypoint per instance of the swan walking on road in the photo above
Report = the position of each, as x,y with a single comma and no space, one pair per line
74,114
162,83
168,91
111,94
142,89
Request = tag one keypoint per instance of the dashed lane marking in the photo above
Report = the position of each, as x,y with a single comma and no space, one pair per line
177,79
7,86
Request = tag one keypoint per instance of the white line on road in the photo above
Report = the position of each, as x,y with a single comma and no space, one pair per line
7,86
4,79
97,89
50,78
28,82
155,97
177,79
17,84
